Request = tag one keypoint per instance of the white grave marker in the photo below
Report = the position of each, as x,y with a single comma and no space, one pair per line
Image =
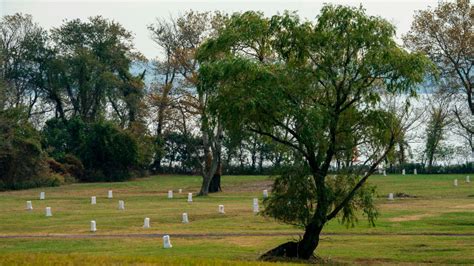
93,226
185,218
48,211
384,173
170,194
190,197
403,172
468,180
93,200
255,205
110,194
146,223
265,193
415,172
221,209
42,196
167,242
121,205
180,191
390,196
29,205
455,182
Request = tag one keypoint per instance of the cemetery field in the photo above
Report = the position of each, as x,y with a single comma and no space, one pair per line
432,223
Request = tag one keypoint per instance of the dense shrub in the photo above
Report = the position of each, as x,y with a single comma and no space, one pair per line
108,153
92,152
23,164
63,137
73,166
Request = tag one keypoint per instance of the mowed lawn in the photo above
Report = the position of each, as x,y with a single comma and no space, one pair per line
434,225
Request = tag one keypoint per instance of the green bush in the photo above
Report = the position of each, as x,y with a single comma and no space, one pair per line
23,164
63,137
73,166
108,153
93,152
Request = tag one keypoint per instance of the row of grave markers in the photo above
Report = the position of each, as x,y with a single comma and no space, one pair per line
121,205
403,172
384,172
468,180
146,222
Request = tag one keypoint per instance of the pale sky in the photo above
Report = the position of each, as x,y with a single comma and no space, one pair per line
136,15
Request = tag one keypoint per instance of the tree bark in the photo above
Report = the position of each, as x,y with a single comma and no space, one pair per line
212,151
310,240
215,185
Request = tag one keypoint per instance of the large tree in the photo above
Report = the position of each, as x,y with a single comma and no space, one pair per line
438,121
90,69
180,38
445,34
19,39
311,87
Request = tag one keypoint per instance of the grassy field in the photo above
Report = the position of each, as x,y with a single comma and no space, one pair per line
436,226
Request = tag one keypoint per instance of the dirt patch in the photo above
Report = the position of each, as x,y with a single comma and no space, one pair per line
373,261
222,235
465,206
414,217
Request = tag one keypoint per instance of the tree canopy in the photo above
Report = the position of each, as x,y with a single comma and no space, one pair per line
311,86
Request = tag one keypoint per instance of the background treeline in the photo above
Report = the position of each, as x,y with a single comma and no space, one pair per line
80,103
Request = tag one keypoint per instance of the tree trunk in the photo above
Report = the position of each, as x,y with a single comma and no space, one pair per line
206,181
402,153
156,164
215,185
303,249
310,241
212,151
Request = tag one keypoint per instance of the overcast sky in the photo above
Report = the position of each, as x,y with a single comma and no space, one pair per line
136,15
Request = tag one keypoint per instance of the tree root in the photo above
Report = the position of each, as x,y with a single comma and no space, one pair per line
285,250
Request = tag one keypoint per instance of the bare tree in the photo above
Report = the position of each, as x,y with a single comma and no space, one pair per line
445,35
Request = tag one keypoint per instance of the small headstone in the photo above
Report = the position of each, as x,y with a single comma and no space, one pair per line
255,205
29,205
166,242
121,205
180,191
468,179
146,223
185,218
390,196
93,200
403,172
48,211
170,194
415,172
365,173
455,182
265,193
110,194
221,209
384,173
93,227
190,197
42,196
